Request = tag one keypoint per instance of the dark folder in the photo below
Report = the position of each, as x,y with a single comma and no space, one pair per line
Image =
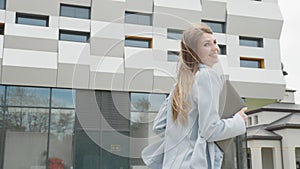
230,103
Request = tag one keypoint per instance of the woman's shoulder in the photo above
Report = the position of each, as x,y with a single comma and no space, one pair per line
206,73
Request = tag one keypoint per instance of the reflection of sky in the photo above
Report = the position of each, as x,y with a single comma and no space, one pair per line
154,99
63,97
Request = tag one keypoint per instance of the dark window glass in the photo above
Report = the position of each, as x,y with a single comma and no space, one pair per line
250,41
146,101
74,36
218,27
174,34
2,4
223,50
75,11
63,98
1,28
138,42
251,63
173,56
2,95
138,18
28,96
31,19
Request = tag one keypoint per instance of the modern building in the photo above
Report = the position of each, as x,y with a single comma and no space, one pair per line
273,135
81,80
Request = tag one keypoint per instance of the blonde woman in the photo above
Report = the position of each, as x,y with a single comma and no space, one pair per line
189,121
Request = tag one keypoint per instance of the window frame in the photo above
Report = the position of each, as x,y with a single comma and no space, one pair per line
2,28
72,32
127,13
258,40
32,16
138,38
74,6
210,22
171,52
176,32
260,60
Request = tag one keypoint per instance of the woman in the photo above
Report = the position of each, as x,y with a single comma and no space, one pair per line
189,119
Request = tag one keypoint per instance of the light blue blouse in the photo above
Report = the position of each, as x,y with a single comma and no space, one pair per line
192,146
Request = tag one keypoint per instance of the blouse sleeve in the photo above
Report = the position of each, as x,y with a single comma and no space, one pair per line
160,121
208,86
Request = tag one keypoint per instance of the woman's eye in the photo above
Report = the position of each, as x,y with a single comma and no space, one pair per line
206,44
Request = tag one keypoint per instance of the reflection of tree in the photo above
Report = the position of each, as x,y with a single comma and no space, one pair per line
36,119
138,119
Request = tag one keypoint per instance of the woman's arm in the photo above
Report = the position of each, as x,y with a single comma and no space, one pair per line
207,91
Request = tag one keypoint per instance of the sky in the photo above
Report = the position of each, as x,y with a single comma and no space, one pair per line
289,43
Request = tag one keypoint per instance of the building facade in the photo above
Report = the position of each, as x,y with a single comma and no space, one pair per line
273,132
82,80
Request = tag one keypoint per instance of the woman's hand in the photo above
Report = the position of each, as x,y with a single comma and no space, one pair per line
242,113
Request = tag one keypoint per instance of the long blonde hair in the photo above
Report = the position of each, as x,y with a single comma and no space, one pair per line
188,66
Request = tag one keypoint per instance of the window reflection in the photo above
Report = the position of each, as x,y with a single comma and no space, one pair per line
27,119
28,96
63,98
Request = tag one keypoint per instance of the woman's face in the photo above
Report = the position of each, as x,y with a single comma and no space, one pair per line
208,49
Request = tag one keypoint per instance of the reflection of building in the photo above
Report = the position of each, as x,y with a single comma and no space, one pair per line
273,135
119,59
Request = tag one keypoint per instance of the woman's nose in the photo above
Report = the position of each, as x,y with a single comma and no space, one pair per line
217,48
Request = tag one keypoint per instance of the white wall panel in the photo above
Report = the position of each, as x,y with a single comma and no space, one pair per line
29,58
31,31
76,24
107,30
2,15
73,52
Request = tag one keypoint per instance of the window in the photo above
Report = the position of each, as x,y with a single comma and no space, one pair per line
173,56
223,50
256,119
297,153
249,121
75,36
251,62
2,4
140,42
250,41
75,11
218,27
1,28
32,19
138,18
174,34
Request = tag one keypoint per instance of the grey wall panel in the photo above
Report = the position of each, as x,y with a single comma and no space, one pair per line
39,44
77,2
107,10
87,109
45,7
144,6
115,108
138,80
73,76
17,75
106,81
163,84
0,70
217,14
107,47
174,17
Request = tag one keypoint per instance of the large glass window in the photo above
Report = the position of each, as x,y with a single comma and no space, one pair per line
251,62
144,107
29,138
174,34
31,19
218,27
138,18
139,42
75,11
75,36
251,41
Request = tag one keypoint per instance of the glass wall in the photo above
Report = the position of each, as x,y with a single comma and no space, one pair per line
37,127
